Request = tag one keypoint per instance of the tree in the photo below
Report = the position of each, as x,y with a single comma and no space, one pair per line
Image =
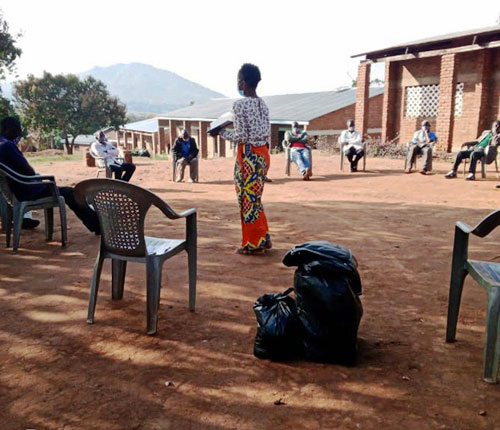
374,82
9,53
67,106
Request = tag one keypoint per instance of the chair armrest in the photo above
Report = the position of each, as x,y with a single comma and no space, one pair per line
51,185
485,226
466,228
187,213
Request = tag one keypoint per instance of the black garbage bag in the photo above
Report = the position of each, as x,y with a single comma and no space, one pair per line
277,327
327,285
337,259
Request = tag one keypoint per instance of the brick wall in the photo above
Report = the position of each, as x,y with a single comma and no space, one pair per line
362,98
337,120
480,73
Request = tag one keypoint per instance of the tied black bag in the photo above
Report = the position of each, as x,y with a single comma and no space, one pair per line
327,286
277,327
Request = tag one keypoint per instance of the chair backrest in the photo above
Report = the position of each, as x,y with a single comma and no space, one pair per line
5,190
121,208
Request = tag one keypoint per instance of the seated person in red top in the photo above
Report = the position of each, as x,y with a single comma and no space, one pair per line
299,152
13,158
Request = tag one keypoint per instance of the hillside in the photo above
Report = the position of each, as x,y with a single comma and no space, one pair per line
144,88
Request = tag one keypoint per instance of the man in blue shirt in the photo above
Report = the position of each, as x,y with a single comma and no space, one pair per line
12,157
422,143
186,152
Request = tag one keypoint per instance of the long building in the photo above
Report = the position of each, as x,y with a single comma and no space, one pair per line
453,80
321,113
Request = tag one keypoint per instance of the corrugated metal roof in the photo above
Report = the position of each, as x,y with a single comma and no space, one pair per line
282,108
492,31
147,125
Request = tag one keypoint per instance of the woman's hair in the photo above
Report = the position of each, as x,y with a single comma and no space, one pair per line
250,74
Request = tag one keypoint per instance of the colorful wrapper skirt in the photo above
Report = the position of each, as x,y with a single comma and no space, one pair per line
252,164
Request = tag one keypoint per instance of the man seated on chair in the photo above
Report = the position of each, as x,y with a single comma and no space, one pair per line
484,146
353,145
422,143
111,154
13,158
186,153
299,152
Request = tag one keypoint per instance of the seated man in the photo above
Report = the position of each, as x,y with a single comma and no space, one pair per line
186,152
484,146
422,143
353,145
12,157
299,152
102,148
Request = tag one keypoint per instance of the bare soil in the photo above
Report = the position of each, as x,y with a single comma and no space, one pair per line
57,372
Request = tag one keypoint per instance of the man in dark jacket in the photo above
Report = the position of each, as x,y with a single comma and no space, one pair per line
186,152
12,157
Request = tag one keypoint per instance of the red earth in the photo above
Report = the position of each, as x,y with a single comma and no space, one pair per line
57,372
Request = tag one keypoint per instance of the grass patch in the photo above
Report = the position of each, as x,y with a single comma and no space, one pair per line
36,159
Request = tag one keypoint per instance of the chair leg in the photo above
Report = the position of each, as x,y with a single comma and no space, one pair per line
118,270
455,296
49,223
64,227
483,168
192,269
8,225
18,223
492,347
496,168
287,161
458,274
153,279
191,248
3,212
94,288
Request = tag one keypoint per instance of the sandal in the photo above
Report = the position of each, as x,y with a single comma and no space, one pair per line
248,251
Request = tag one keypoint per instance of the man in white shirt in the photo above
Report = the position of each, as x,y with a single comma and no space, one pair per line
123,171
353,145
422,143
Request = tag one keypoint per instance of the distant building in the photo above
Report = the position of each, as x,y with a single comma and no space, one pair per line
452,80
321,113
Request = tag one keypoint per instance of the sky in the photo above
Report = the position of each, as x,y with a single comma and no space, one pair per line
299,46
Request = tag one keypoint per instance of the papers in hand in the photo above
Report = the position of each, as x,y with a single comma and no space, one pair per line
223,121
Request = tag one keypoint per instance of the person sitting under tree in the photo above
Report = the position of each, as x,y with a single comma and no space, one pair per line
102,148
484,146
13,158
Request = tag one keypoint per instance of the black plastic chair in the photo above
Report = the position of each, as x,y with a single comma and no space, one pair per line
121,208
486,274
13,210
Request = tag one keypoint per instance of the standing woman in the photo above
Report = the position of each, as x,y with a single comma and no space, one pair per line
252,132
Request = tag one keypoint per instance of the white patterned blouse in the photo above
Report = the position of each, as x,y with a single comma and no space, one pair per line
251,122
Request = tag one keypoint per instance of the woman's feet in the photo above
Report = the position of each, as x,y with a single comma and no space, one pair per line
245,250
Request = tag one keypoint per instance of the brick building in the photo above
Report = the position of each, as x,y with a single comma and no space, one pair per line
321,113
452,80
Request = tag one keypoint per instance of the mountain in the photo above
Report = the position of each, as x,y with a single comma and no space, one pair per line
145,88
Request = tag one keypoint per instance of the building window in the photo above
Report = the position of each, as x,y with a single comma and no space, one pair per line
459,99
422,101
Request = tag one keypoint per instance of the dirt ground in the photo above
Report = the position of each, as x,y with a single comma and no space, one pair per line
57,372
